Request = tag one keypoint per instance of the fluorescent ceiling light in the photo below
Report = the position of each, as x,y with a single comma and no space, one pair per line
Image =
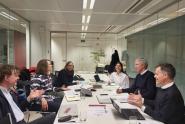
86,28
139,28
82,27
84,4
83,18
4,13
6,16
157,21
88,19
92,4
150,5
181,10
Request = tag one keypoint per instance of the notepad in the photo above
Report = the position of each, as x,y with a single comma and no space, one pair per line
72,96
103,99
68,109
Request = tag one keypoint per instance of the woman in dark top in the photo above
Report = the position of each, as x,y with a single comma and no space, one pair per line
65,76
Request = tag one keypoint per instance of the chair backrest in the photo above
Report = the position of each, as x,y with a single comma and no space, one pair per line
6,120
99,70
56,73
131,81
106,67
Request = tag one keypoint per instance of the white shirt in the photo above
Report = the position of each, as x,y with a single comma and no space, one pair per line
167,85
144,72
16,110
121,79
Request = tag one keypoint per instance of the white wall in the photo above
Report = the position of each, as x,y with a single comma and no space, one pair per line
58,52
80,53
40,42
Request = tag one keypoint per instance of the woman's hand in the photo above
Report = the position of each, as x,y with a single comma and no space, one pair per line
118,91
64,88
34,94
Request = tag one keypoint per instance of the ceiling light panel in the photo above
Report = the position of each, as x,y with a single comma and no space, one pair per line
88,19
84,4
92,4
83,18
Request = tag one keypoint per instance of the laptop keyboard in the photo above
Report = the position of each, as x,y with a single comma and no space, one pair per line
133,112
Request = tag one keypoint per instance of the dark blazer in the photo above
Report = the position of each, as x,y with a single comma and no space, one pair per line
64,78
145,84
5,108
167,107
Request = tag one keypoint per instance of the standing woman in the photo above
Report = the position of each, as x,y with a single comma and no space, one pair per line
65,76
118,77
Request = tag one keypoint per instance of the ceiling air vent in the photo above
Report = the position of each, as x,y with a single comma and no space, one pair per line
136,6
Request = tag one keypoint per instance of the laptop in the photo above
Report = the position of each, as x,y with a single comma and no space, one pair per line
97,78
127,112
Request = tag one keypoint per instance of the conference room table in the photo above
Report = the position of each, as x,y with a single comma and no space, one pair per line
89,106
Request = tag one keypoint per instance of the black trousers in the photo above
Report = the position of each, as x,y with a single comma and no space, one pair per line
53,106
49,119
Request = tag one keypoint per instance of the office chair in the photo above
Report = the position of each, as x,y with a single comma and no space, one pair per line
131,81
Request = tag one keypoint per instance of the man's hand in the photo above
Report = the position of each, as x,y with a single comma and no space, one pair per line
44,104
135,100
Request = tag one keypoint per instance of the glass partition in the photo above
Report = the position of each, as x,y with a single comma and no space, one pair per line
161,42
12,38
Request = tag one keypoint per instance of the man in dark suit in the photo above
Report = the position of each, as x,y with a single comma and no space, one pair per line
168,105
144,81
9,74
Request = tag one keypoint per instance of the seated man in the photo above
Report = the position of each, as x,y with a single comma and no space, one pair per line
168,105
144,81
9,75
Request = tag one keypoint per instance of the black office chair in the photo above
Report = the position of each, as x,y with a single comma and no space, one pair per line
106,68
6,120
56,73
131,81
99,70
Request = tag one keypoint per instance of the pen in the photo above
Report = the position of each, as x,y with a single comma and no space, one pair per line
96,105
103,94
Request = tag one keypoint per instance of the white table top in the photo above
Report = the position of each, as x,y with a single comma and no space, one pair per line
112,116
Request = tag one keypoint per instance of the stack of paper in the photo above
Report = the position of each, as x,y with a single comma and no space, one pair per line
105,99
72,96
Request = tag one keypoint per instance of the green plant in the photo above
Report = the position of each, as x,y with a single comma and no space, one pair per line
97,54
